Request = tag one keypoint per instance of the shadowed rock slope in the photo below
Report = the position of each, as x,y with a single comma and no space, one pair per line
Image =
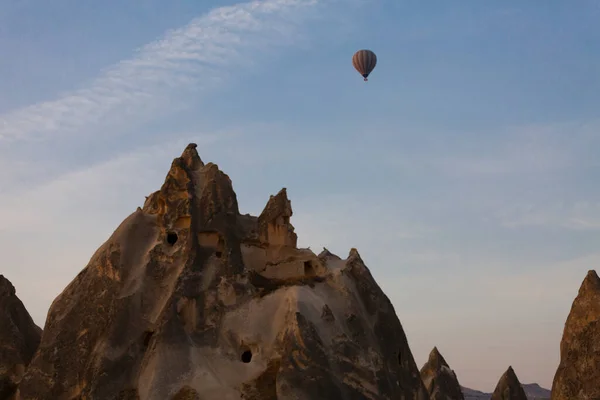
189,299
19,338
509,387
578,374
440,381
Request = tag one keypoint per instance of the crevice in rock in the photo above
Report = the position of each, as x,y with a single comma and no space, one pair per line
147,337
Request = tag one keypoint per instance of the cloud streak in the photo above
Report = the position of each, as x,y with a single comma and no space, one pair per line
196,56
578,216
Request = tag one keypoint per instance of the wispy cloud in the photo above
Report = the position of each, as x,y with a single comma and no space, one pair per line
578,216
194,57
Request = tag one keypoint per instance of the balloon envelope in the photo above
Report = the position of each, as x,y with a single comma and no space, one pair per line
364,61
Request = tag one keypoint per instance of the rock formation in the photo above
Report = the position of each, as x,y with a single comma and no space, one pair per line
509,387
19,338
189,299
440,381
578,374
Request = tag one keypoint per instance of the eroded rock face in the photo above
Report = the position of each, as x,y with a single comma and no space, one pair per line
578,374
440,381
189,299
509,387
19,338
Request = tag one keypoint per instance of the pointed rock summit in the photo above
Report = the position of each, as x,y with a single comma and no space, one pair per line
189,299
19,338
509,387
578,374
440,381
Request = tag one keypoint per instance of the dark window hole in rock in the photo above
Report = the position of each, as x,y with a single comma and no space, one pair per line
309,270
218,254
246,356
400,357
172,238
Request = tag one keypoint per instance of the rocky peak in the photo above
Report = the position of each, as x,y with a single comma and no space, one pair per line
6,288
191,158
590,287
436,360
19,338
441,382
274,225
578,374
509,387
190,299
327,255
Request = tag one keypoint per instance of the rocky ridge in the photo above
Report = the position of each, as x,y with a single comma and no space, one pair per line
533,391
189,299
19,338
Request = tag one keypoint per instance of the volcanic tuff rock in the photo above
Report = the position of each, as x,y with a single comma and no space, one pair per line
19,338
441,382
578,374
189,299
509,387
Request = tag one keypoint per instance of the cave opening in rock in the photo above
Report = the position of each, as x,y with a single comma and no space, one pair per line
218,254
246,356
399,357
309,270
172,238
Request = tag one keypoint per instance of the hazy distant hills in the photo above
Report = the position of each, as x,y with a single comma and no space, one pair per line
532,390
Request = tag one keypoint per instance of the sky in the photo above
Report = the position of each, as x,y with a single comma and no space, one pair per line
465,171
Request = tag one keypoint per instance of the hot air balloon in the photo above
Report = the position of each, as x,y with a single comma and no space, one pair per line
364,61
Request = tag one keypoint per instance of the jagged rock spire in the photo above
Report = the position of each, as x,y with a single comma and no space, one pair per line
441,382
190,299
578,374
509,387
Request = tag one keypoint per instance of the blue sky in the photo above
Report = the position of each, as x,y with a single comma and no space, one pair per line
464,171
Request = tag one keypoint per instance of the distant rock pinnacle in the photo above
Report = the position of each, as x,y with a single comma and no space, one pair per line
509,387
440,381
578,374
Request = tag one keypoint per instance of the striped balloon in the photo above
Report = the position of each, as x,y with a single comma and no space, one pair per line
364,61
